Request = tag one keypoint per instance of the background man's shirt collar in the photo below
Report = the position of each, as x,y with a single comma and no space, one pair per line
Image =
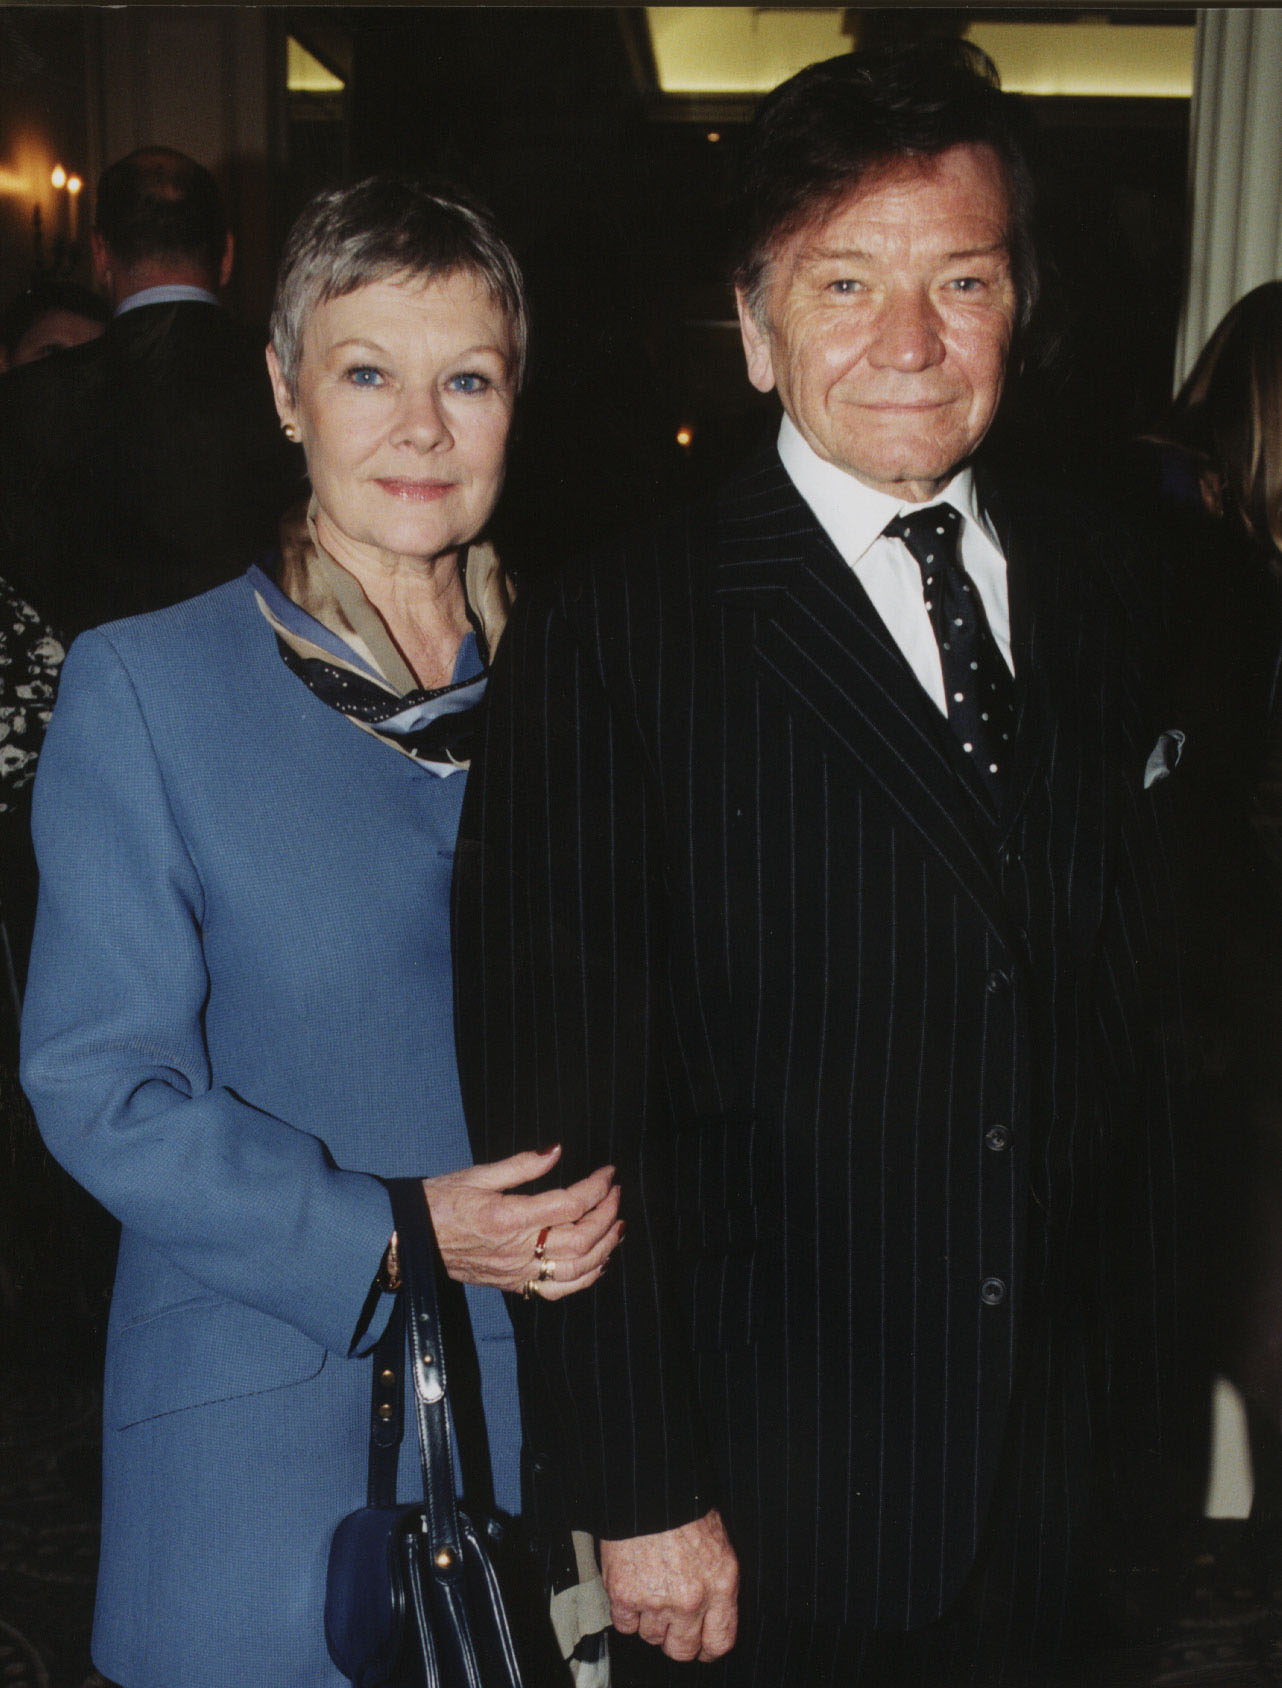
172,293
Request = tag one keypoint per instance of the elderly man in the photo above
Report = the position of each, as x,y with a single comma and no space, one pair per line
816,875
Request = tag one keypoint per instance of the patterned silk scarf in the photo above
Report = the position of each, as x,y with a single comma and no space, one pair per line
331,636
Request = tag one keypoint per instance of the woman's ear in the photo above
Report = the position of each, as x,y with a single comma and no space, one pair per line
280,392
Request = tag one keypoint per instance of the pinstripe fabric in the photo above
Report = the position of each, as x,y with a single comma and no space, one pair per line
891,1087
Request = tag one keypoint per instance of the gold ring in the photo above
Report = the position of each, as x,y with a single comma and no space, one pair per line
542,1243
531,1289
547,1269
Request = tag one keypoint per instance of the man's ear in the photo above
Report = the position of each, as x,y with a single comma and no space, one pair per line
102,262
756,346
228,259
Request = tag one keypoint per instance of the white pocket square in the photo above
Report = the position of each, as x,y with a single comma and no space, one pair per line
1164,757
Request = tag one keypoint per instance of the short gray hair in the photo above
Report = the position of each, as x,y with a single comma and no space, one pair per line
387,228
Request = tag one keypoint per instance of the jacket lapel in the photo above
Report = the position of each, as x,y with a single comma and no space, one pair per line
1068,674
816,639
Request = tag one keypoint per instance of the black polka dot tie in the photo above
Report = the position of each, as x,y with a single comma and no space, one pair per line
977,682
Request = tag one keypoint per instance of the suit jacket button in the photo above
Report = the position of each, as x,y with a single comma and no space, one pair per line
992,1292
998,982
996,1138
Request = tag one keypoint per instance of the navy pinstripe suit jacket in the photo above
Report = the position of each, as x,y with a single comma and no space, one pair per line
891,1084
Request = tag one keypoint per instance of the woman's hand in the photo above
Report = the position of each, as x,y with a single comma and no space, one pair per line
488,1235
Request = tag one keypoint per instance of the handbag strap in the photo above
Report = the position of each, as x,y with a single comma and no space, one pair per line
418,1256
387,1408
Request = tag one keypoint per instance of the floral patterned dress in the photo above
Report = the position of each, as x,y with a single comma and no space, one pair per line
30,657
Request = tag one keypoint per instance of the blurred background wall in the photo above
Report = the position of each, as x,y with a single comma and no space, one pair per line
606,139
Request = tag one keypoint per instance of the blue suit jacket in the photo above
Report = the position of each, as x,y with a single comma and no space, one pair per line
238,1014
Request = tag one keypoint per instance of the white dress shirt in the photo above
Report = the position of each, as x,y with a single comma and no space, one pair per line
854,515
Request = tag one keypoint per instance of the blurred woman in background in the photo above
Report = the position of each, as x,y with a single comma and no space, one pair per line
1211,470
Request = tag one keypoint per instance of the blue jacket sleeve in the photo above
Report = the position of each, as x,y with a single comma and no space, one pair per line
114,1057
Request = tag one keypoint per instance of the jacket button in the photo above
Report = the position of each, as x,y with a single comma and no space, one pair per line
1010,857
996,1138
992,1292
998,982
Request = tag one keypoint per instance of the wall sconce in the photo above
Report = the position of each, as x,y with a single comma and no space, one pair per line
74,185
67,186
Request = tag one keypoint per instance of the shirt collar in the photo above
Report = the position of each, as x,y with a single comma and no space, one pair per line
170,293
853,515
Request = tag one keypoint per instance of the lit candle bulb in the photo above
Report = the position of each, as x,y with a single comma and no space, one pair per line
58,176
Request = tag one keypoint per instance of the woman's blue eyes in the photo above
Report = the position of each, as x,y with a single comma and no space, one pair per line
468,383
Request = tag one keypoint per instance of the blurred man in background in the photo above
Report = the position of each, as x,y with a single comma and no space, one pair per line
147,466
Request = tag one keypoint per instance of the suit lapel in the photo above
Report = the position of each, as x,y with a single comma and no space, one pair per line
817,641
1068,669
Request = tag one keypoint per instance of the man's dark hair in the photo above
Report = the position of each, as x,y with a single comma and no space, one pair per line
157,203
818,135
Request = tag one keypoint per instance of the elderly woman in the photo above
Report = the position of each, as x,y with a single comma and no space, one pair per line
239,1015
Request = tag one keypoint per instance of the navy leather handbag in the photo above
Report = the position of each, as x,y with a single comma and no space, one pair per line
412,1600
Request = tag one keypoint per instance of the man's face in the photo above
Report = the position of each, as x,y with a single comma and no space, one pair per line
886,325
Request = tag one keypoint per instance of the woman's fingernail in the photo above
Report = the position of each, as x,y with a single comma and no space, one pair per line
547,1148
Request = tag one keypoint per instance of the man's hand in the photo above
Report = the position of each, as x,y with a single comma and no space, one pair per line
678,1590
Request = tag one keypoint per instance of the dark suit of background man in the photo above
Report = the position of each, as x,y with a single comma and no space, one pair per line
883,1042
149,465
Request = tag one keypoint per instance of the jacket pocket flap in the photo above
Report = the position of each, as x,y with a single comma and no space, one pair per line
199,1351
